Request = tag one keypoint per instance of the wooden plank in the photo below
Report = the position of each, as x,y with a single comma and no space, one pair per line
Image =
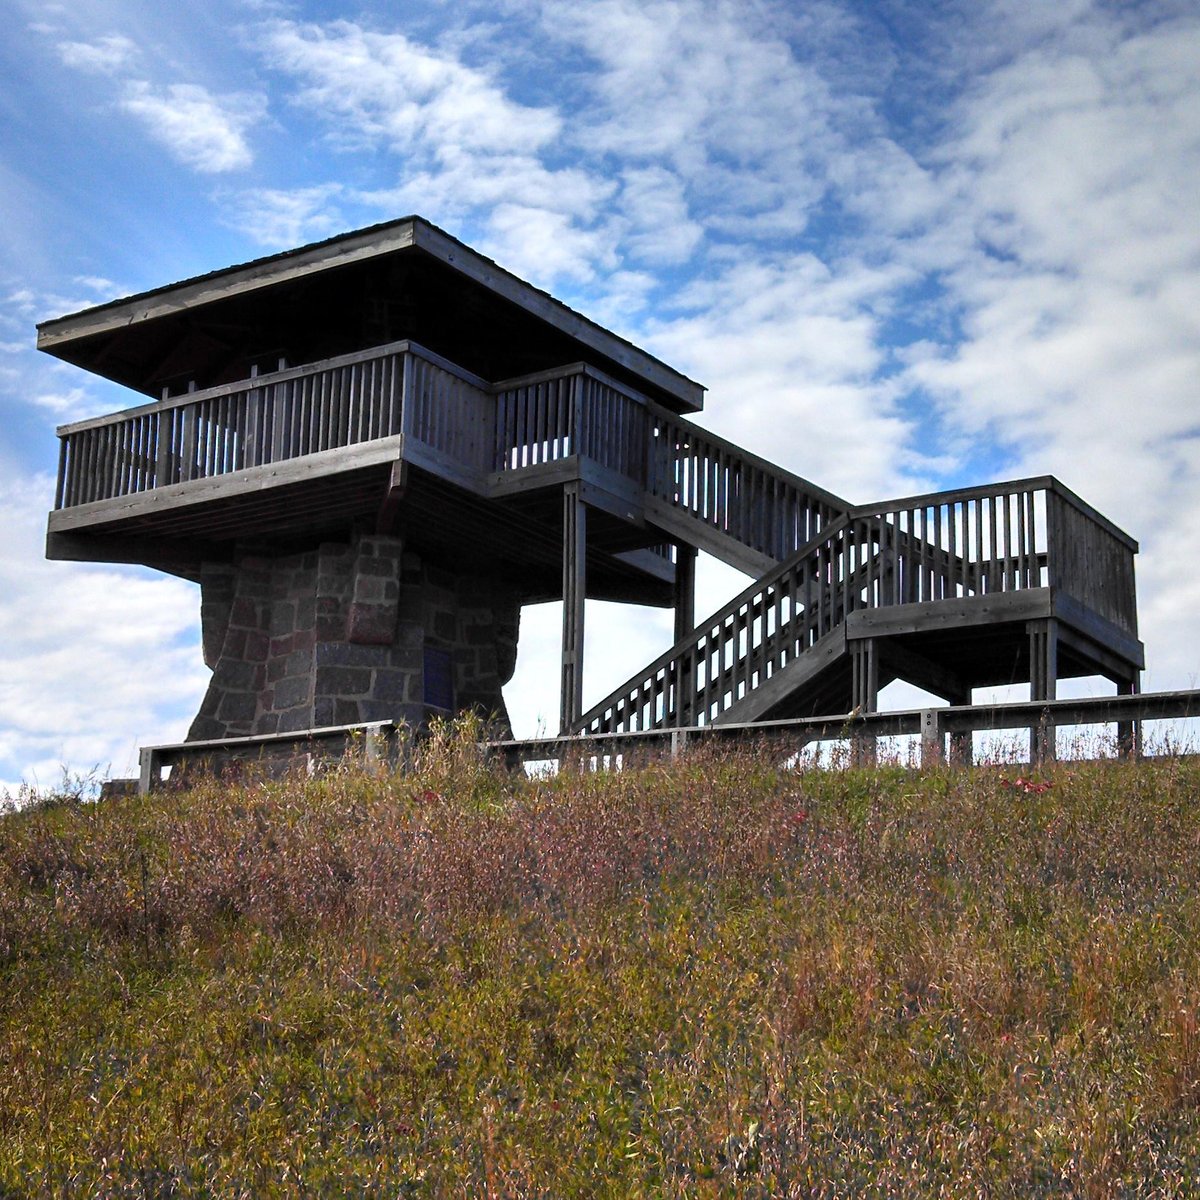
676,522
954,613
1106,633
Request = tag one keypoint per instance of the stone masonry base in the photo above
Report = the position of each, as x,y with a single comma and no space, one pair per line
350,632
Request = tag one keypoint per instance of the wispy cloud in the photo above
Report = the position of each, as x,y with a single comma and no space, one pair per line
280,219
464,145
106,55
384,88
200,130
203,129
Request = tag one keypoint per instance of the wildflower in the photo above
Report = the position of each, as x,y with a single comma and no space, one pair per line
1028,786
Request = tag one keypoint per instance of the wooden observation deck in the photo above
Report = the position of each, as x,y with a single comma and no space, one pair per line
394,383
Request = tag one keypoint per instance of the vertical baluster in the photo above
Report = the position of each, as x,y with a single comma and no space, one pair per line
60,481
522,395
85,460
1034,541
955,549
991,568
145,473
500,449
111,472
1022,543
977,505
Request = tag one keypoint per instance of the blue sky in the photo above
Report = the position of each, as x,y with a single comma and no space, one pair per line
905,245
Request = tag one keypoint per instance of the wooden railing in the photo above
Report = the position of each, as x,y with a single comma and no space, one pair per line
695,474
698,478
1093,559
924,548
275,417
930,725
736,493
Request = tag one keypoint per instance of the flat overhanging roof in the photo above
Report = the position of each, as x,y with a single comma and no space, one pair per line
411,278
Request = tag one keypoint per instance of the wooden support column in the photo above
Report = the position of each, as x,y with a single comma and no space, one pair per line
684,685
574,591
864,663
931,738
1043,684
1129,733
685,590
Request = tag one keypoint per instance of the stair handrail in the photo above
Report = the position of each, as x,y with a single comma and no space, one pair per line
751,594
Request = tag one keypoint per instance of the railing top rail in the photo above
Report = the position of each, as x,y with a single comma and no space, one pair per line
835,502
1034,483
1146,706
575,368
822,495
267,379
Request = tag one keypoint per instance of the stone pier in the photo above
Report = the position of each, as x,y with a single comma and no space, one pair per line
350,632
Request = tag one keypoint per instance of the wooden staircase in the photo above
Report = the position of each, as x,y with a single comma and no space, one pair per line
805,637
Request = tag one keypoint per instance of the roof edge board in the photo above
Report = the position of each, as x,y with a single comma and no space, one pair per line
230,281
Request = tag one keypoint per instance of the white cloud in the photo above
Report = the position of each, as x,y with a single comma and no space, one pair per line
105,56
70,404
790,351
93,660
661,228
200,130
1075,272
384,88
282,219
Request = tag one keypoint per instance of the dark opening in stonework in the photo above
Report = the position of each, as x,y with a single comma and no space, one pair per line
439,680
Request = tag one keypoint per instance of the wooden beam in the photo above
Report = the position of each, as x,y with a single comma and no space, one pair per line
923,672
993,608
685,590
1043,682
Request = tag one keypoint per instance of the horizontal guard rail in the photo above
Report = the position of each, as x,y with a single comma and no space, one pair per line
931,723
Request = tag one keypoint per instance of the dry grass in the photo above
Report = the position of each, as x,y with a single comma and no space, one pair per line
707,978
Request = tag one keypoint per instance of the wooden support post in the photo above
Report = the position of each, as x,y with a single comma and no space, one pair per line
149,772
574,592
1043,683
931,738
864,661
1129,733
685,590
684,685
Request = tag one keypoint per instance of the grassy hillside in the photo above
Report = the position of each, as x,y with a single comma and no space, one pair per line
707,978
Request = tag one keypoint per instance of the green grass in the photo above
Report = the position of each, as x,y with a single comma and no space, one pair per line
706,978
